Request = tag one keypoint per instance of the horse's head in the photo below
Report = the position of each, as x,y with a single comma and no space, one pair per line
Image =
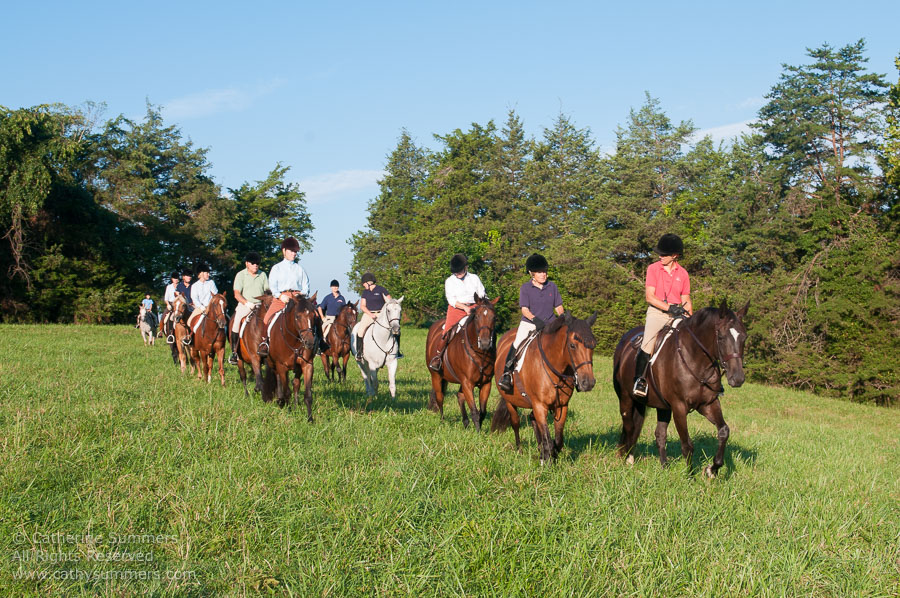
730,338
580,343
216,310
348,315
391,313
302,313
484,318
178,308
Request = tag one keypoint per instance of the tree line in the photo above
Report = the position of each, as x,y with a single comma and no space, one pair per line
94,214
800,216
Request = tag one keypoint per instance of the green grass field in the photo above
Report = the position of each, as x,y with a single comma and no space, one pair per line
119,476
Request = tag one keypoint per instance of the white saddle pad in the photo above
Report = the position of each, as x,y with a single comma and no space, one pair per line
675,324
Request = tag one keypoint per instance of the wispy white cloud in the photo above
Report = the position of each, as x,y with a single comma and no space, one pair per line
724,132
216,101
327,187
754,102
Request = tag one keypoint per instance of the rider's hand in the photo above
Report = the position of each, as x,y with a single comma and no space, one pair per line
676,310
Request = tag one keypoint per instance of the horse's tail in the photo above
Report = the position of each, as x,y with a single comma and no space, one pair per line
432,398
500,420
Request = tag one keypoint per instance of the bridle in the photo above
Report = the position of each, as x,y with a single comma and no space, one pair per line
297,336
388,328
483,364
566,382
715,362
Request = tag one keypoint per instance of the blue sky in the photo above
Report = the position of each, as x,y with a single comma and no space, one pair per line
326,88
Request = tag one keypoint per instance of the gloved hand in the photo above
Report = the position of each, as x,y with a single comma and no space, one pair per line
676,311
538,323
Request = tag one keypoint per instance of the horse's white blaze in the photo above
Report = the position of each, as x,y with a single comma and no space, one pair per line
484,312
735,334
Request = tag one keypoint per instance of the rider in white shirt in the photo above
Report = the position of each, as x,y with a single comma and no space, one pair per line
460,289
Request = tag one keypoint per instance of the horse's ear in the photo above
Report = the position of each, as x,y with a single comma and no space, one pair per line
723,308
400,300
567,317
743,311
495,300
592,319
313,298
477,297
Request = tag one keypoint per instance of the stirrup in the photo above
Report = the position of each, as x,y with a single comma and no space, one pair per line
186,341
435,364
504,382
170,339
233,360
263,349
640,387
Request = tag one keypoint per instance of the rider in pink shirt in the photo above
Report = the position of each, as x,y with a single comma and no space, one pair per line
668,294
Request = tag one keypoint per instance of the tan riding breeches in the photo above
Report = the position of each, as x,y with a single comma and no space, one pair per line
326,325
656,321
240,312
364,322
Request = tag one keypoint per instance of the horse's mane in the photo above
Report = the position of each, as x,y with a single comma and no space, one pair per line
579,327
708,316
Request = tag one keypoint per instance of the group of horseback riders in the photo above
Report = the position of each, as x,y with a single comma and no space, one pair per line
667,293
251,284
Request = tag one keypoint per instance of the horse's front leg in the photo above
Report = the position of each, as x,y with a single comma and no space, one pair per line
307,391
542,432
328,375
559,423
392,378
242,372
713,412
464,397
483,394
221,355
687,447
663,417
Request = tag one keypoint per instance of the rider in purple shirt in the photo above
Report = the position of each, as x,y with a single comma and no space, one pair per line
540,302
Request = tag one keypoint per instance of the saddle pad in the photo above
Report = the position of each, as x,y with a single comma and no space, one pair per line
669,332
197,323
272,323
244,321
526,344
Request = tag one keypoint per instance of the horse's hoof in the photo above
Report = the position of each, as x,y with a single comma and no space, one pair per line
630,460
708,472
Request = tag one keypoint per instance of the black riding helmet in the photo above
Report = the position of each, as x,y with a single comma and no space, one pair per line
669,244
368,277
536,263
458,263
334,283
253,258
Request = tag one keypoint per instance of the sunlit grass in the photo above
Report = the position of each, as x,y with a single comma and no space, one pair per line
102,438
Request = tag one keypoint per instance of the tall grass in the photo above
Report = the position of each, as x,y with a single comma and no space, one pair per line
104,440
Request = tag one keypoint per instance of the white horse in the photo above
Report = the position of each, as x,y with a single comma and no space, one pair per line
380,348
147,324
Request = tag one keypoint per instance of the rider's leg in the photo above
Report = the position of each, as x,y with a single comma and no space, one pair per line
640,373
505,382
263,349
435,364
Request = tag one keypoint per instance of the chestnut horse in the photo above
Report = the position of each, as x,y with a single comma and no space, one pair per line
684,376
246,349
559,361
292,347
210,338
338,339
468,361
180,330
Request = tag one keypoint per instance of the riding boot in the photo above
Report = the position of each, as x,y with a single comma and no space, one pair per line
323,345
233,360
359,348
397,340
505,382
640,372
435,364
263,349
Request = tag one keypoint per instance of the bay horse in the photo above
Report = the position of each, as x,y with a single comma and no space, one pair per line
380,348
292,348
559,361
338,339
180,331
210,338
685,375
468,361
251,334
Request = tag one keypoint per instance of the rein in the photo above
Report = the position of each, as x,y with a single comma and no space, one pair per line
391,335
566,381
484,363
298,354
715,362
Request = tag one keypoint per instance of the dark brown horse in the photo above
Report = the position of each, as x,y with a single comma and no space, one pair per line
180,331
338,339
686,375
246,350
210,338
468,361
292,347
559,361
